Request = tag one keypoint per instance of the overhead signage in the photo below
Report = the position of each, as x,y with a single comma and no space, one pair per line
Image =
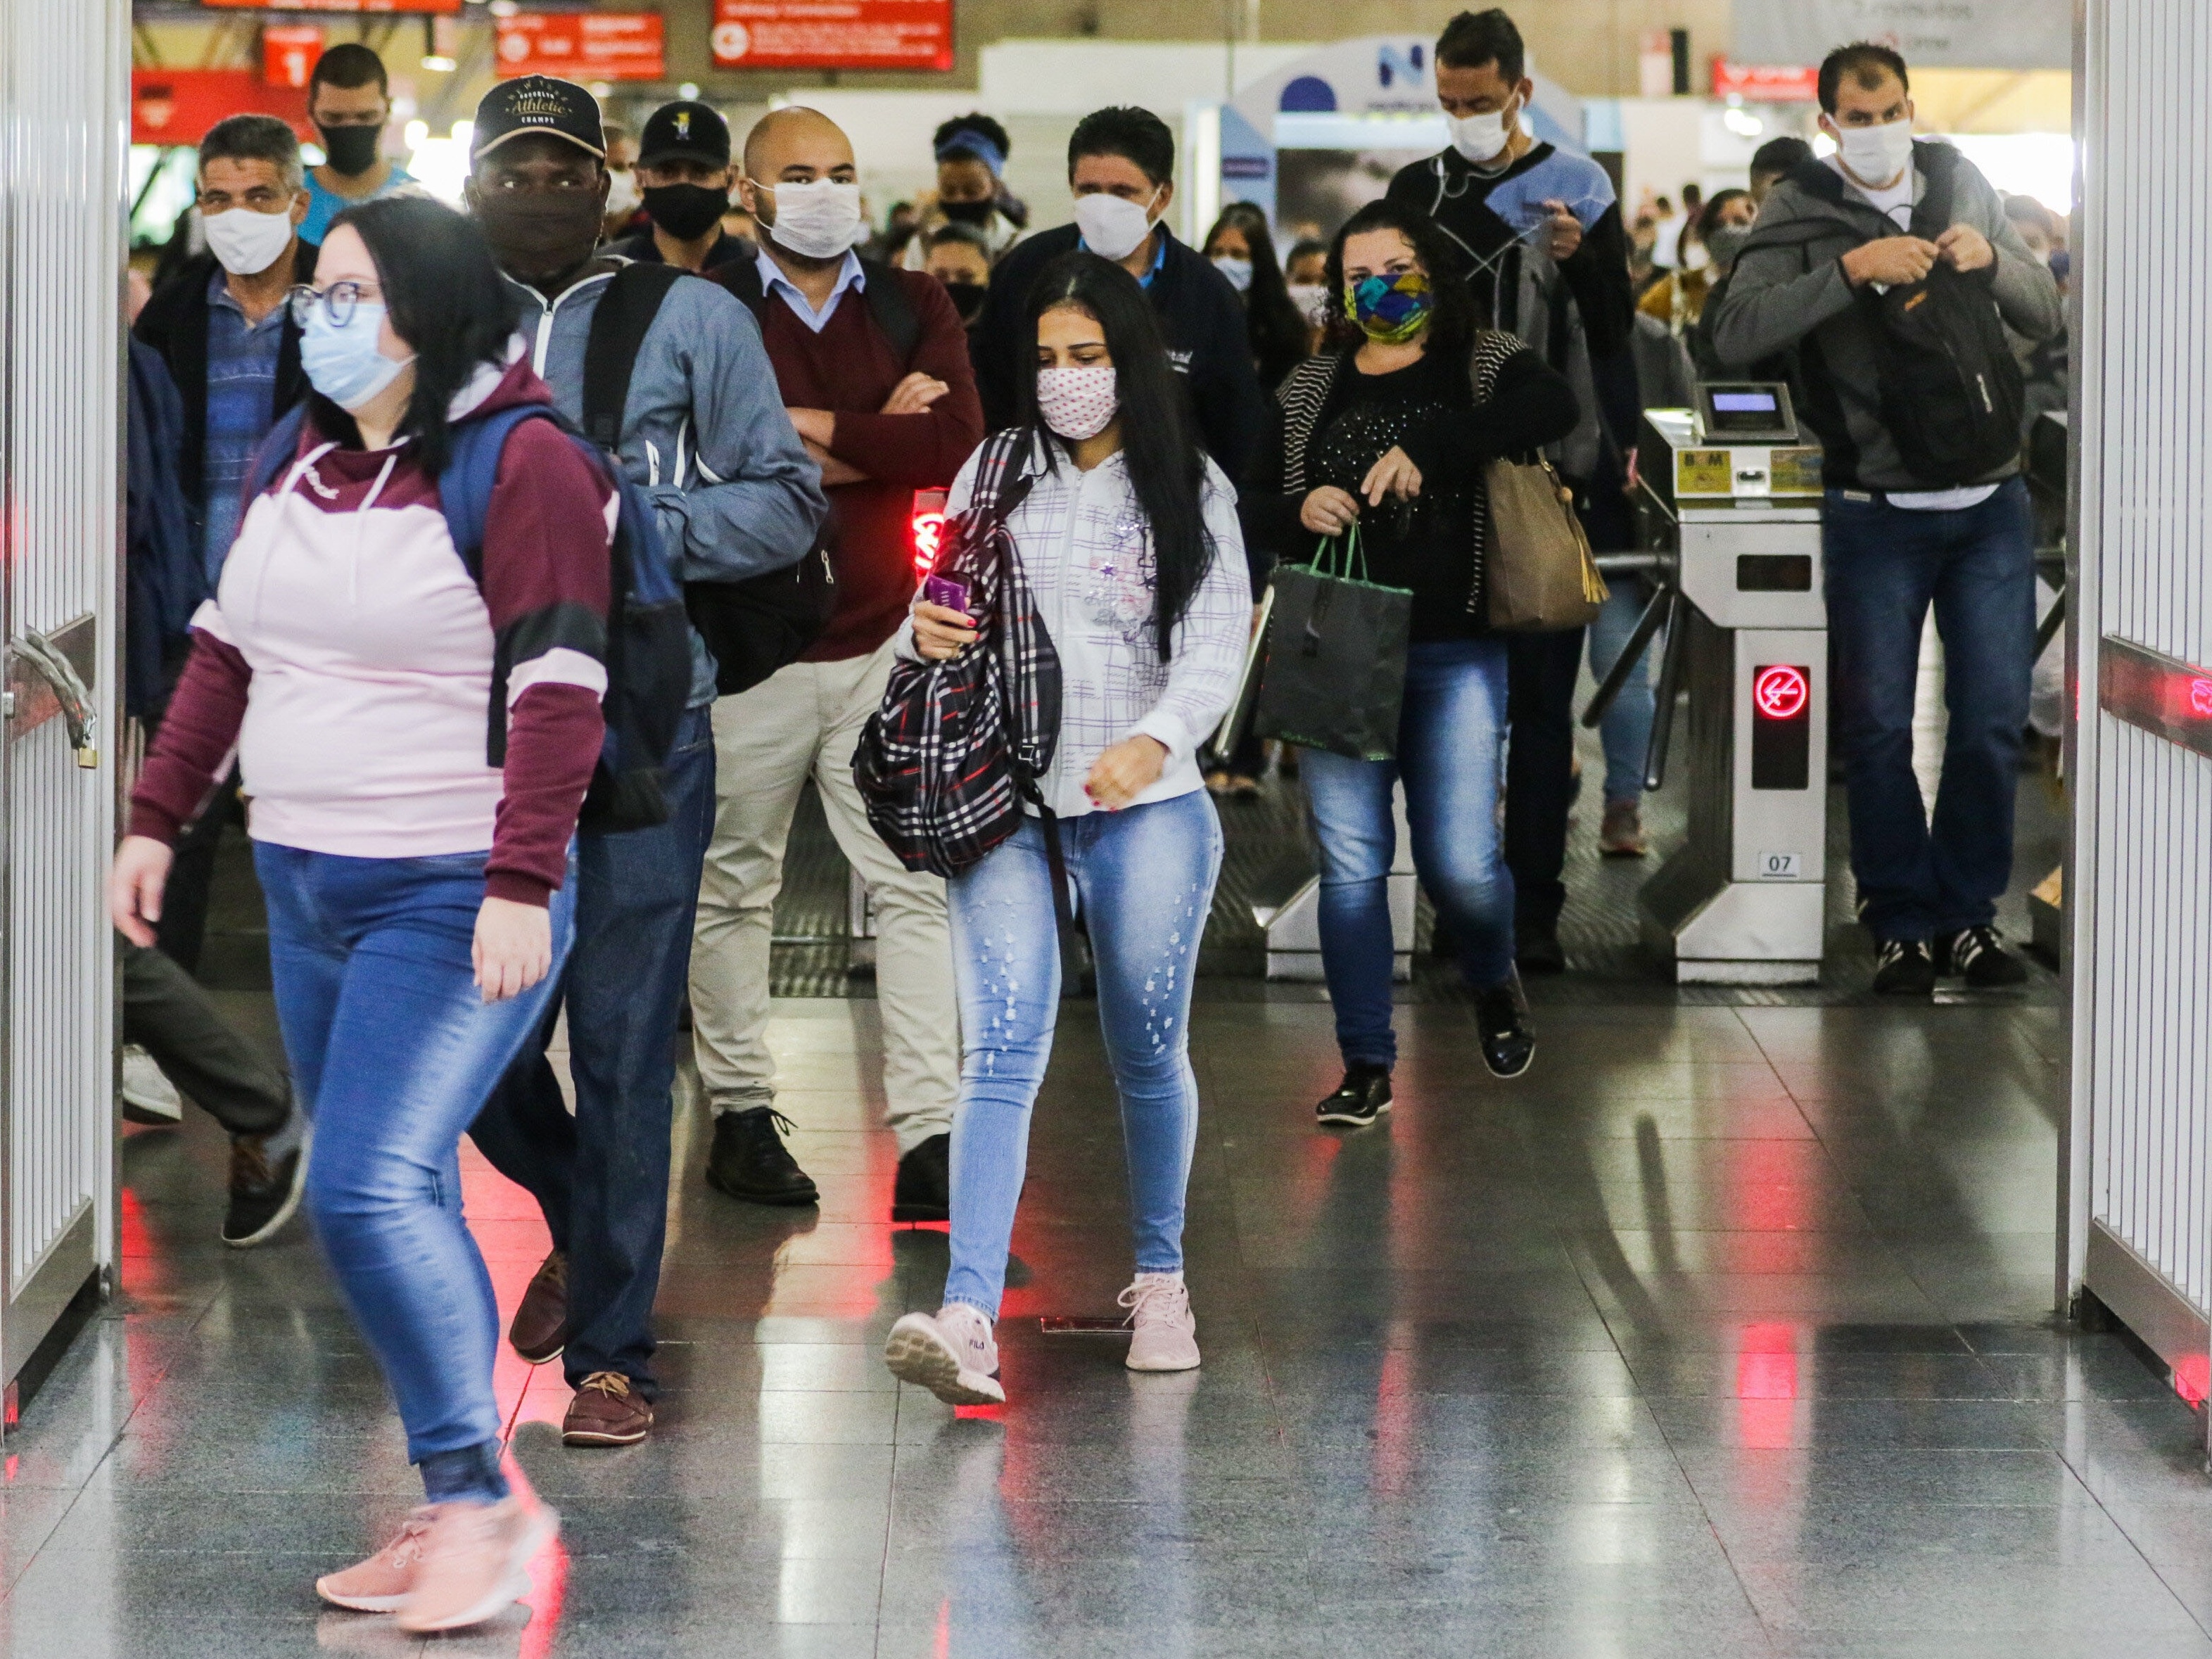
904,34
177,106
2012,34
445,7
1765,83
602,45
288,52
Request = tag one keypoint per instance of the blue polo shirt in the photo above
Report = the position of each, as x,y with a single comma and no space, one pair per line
241,387
324,205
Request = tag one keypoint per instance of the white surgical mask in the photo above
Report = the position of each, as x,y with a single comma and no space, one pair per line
819,220
1239,272
1312,300
1483,137
247,242
622,196
1077,403
1876,156
1111,226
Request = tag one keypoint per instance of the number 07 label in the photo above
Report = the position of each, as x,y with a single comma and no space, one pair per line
1779,867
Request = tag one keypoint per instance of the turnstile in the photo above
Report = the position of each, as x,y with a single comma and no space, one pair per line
1732,500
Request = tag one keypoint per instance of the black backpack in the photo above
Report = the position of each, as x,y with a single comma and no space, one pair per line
1953,397
752,627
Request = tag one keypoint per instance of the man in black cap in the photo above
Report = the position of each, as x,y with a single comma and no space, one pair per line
684,171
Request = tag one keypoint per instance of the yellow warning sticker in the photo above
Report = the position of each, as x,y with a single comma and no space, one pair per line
1703,472
1796,471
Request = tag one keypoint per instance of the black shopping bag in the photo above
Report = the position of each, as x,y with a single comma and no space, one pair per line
1335,678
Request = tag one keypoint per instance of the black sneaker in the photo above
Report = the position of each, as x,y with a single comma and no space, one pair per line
1536,947
1508,1041
1904,969
1362,1096
749,1160
923,1191
1975,955
262,1195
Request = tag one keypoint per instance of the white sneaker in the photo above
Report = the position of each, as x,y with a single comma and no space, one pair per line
1162,1333
950,1352
148,1096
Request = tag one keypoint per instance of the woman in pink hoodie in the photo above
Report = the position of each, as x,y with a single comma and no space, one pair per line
418,896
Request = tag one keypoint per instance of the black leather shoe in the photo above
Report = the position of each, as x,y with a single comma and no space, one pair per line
749,1160
1508,1041
1536,947
923,1191
1362,1096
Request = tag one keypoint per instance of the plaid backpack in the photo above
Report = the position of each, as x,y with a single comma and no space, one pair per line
947,761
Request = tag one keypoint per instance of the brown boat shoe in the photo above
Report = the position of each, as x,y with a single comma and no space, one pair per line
606,1412
540,1328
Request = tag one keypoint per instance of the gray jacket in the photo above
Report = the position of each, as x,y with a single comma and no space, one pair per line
1788,284
703,429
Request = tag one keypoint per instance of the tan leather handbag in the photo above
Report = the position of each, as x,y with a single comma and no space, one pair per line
1536,560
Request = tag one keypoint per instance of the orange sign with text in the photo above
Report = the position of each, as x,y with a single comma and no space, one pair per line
908,34
177,106
446,7
288,52
602,45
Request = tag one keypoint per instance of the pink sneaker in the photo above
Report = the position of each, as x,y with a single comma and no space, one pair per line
1163,1332
474,1563
951,1353
382,1583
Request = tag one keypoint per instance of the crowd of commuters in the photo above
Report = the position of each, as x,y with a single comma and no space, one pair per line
522,566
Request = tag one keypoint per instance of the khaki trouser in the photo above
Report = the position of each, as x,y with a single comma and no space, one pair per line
805,720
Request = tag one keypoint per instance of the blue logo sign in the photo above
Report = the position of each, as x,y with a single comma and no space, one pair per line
1393,66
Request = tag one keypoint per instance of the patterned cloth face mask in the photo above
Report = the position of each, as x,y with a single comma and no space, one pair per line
1077,403
1389,310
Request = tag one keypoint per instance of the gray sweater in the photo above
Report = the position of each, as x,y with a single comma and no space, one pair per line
1788,284
703,429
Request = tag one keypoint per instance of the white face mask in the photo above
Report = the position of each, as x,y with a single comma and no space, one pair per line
1312,300
1111,227
1876,156
820,219
622,196
1239,272
1077,403
247,242
1484,137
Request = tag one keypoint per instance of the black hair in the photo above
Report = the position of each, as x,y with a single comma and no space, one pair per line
966,236
1779,155
1866,64
1167,469
1305,247
1458,308
256,138
446,298
1475,37
1709,218
1273,324
975,122
1135,135
347,65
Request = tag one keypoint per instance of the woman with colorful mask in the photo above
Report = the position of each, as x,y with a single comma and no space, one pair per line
1388,435
1128,535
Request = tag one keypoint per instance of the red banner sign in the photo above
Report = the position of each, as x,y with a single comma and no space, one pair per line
1758,83
288,52
908,34
177,106
602,45
448,7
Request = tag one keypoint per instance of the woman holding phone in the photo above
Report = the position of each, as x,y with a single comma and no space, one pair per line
1387,432
1128,537
419,900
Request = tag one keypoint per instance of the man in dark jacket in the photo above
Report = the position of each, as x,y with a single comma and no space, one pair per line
683,168
1542,230
1121,166
228,338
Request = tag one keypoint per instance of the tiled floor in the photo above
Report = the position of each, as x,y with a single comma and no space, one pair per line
1725,1332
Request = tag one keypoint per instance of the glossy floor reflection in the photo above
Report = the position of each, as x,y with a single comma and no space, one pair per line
1723,1332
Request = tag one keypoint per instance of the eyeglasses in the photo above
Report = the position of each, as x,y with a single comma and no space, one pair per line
338,302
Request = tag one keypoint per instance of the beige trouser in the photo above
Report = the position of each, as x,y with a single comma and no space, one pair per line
805,720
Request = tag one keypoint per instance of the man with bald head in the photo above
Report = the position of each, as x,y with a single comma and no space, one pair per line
873,369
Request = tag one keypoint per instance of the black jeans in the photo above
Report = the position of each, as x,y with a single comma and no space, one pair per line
166,1013
183,927
1539,701
601,1176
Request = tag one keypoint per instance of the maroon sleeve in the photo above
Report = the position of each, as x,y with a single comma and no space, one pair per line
926,450
192,749
545,583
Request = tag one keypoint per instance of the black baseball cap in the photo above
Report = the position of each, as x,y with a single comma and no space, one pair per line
687,130
538,103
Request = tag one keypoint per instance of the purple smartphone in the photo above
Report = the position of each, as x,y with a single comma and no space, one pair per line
949,591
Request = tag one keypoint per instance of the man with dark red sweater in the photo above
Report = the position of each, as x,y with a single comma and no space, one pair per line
873,366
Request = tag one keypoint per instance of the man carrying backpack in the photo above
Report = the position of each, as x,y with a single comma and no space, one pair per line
1887,267
666,372
873,364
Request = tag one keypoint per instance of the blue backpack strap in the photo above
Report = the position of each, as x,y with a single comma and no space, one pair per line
472,470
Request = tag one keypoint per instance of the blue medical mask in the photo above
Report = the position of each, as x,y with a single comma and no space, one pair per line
343,363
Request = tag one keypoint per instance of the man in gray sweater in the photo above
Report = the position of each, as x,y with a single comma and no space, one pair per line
1833,237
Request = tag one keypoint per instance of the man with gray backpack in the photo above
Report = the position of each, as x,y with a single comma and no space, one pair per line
1889,270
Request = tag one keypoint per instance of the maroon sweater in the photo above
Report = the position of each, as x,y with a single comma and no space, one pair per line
849,367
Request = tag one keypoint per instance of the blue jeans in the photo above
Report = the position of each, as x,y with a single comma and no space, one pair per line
1626,728
1449,739
601,1176
1884,565
393,1051
1144,879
